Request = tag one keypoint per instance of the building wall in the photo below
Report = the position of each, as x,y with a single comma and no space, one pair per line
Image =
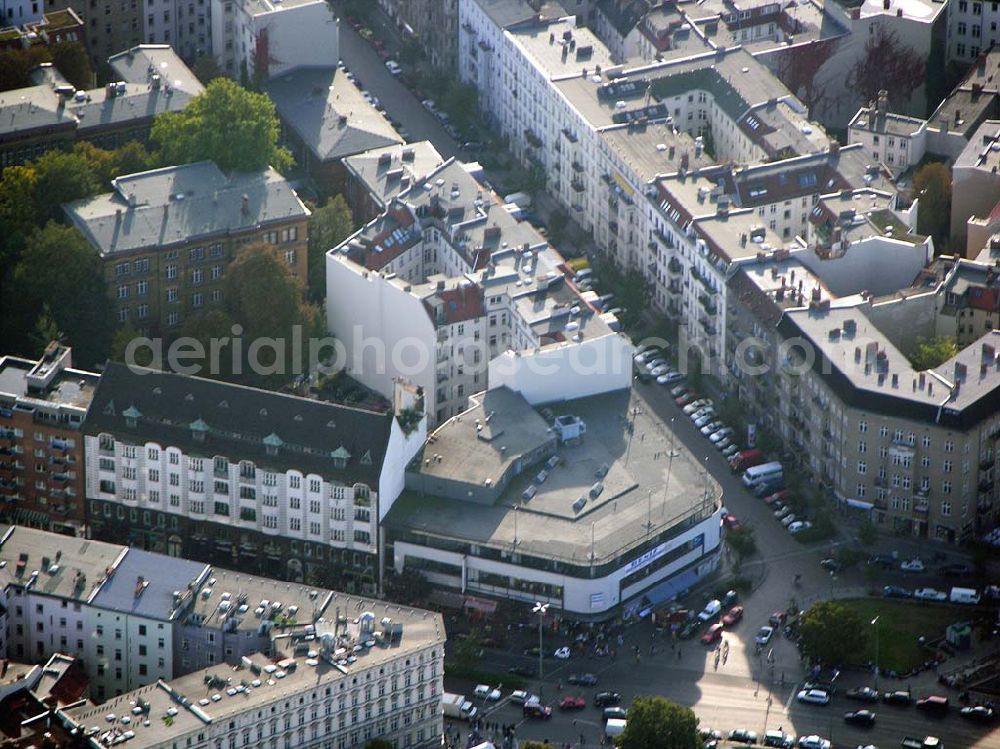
974,192
18,12
972,28
112,26
186,25
886,264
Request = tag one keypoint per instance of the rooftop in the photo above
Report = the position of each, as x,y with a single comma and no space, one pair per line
385,172
271,429
624,441
887,122
179,204
257,7
69,387
652,150
922,11
983,150
975,99
328,113
505,13
144,584
141,63
561,48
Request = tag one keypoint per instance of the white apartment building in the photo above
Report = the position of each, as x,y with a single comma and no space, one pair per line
291,487
262,39
972,28
895,140
20,12
185,25
975,180
446,290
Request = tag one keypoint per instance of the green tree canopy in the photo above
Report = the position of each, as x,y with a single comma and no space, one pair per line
63,177
658,723
261,295
742,542
833,633
234,127
933,352
932,187
328,226
70,59
60,287
206,69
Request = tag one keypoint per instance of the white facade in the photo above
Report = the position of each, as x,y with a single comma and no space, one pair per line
587,596
266,38
972,28
897,141
20,12
186,25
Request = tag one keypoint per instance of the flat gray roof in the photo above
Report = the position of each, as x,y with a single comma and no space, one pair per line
385,172
177,204
144,583
71,387
641,475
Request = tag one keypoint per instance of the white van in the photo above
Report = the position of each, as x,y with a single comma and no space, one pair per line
614,727
964,595
756,474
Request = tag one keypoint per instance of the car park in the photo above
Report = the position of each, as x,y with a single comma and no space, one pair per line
913,565
896,591
930,594
769,486
660,370
607,699
571,702
721,434
562,653
713,634
728,451
655,362
679,390
862,694
782,495
712,609
520,696
814,742
864,718
899,698
733,616
764,635
826,686
933,704
430,105
743,736
614,713
700,422
813,697
782,511
777,618
486,692
694,406
798,526
585,680
724,444
980,713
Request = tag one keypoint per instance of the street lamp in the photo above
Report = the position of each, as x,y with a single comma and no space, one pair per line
540,609
874,623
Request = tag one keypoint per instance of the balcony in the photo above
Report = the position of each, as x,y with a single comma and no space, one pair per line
577,166
577,186
570,135
708,326
533,140
675,267
986,485
707,304
921,508
613,227
986,461
674,287
666,241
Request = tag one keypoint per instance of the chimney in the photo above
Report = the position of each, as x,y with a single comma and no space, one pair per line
246,204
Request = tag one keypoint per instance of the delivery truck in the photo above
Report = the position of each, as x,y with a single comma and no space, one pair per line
458,707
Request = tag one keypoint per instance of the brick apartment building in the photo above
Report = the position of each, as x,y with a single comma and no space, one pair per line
42,407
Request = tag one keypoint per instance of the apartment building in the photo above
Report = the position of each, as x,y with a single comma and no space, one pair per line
165,237
448,291
50,113
261,39
185,25
972,27
149,629
433,24
915,451
31,698
975,181
894,140
111,26
42,408
291,487
376,176
325,119
49,29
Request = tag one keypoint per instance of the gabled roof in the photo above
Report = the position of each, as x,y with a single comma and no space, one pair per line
240,422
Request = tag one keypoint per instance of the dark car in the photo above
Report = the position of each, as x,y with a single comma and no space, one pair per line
864,718
533,652
979,713
584,680
536,710
619,713
899,698
769,487
955,570
895,591
934,704
743,736
528,672
831,565
862,694
827,686
607,699
885,561
689,629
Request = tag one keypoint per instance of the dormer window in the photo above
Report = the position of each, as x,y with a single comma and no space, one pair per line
199,429
132,416
340,457
272,443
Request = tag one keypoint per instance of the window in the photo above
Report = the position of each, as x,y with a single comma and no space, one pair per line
291,256
862,467
216,272
197,300
946,487
947,466
172,294
946,509
197,276
862,426
171,271
862,447
142,311
949,446
123,291
294,524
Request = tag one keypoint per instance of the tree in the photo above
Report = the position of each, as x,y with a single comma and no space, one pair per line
62,178
832,633
16,64
933,352
60,287
328,227
658,723
798,68
467,652
235,128
70,59
18,210
887,65
261,295
206,69
743,544
867,534
932,187
558,221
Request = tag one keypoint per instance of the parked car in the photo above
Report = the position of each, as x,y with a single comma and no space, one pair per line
713,633
731,522
934,704
798,526
584,680
535,709
777,618
814,742
782,511
898,698
913,565
788,519
728,451
614,713
520,696
733,616
562,653
930,594
826,686
703,420
721,434
831,565
813,697
678,391
743,736
726,446
782,495
690,408
430,105
711,427
779,739
895,591
486,692
979,713
886,561
764,635
669,378
393,67
712,609
862,694
864,718
955,570
607,699
570,702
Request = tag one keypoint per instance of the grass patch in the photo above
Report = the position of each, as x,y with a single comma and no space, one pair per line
509,681
900,625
